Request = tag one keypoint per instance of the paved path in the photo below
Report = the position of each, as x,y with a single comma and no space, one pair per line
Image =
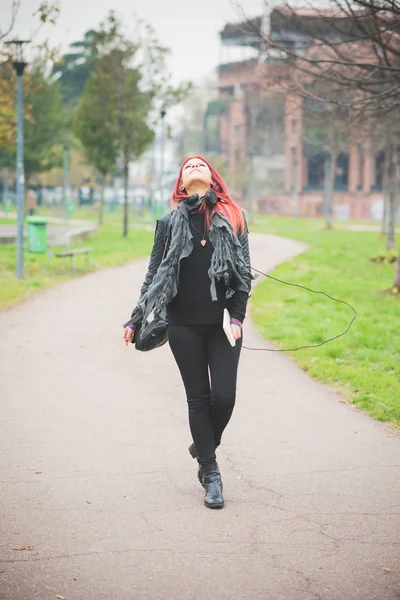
95,475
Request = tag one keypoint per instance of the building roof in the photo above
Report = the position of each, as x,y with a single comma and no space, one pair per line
246,33
288,25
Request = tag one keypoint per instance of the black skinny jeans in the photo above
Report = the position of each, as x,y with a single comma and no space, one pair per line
202,352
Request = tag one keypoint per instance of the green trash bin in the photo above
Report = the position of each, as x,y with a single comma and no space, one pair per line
37,234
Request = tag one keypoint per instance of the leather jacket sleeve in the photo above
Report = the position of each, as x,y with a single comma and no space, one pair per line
244,242
238,302
160,238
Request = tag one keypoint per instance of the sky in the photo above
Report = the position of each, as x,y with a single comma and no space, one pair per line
189,27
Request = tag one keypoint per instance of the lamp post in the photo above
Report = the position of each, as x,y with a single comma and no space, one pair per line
19,67
163,112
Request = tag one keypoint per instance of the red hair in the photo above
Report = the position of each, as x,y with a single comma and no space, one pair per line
228,207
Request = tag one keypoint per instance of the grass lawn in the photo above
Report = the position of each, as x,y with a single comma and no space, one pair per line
363,365
108,249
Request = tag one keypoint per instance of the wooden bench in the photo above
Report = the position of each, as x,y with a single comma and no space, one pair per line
71,253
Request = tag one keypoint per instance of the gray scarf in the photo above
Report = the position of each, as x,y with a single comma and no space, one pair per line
226,261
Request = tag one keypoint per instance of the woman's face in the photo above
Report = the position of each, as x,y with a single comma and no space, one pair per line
195,171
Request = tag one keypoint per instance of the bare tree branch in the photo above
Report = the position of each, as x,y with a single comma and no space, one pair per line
15,6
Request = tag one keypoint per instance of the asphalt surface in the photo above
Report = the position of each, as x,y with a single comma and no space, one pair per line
98,487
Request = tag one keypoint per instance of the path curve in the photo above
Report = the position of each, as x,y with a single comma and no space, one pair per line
96,478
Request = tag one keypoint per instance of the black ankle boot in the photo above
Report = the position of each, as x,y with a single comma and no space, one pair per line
213,487
203,470
200,476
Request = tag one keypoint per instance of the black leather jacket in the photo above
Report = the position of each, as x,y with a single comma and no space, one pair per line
161,244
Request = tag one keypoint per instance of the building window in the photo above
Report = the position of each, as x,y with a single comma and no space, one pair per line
294,126
237,130
237,156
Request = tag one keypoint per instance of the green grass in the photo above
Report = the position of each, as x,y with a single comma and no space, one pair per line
364,364
108,249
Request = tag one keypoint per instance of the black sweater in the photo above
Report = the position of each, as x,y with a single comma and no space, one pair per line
193,304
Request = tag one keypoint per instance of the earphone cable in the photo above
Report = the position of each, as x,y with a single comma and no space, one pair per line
314,292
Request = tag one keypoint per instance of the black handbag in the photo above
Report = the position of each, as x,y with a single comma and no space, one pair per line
155,333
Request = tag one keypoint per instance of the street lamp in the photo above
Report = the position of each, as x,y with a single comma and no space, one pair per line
19,67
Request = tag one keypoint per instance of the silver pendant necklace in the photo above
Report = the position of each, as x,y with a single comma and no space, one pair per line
203,242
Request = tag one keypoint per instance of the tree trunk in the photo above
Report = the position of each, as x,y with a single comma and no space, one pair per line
330,170
385,216
126,213
391,191
101,207
391,218
28,177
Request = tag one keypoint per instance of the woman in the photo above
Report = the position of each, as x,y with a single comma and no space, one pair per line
199,266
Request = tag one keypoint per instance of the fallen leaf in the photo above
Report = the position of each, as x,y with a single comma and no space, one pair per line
60,597
24,548
38,472
386,570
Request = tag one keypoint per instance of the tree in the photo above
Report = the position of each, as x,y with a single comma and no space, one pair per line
117,124
44,127
354,45
126,88
75,67
326,131
134,134
43,113
46,12
192,129
95,130
7,112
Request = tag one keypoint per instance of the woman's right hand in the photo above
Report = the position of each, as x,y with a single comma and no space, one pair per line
128,335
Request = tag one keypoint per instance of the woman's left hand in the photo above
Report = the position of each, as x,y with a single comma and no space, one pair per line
237,331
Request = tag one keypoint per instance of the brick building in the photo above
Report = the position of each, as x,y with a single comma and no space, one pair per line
259,128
